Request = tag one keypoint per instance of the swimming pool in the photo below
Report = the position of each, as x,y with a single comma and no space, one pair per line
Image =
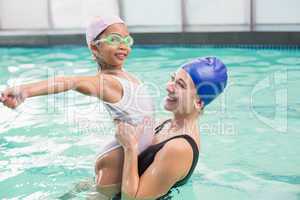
250,136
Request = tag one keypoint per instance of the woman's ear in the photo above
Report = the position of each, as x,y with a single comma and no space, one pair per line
199,104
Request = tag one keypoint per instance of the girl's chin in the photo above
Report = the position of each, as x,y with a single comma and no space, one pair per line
114,65
119,60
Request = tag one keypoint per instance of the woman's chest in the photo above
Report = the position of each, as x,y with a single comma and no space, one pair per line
163,135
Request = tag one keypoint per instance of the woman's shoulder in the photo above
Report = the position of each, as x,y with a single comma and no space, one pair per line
178,146
177,152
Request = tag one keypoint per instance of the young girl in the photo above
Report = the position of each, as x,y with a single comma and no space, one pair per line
124,96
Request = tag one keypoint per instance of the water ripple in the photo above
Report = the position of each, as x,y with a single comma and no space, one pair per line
49,143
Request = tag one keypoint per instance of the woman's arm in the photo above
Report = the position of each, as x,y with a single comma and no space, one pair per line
130,176
170,165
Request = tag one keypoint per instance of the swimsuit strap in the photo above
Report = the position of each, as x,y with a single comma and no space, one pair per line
161,126
194,164
193,144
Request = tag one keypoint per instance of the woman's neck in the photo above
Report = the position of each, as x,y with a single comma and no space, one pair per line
186,124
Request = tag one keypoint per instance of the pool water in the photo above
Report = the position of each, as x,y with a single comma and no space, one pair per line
250,136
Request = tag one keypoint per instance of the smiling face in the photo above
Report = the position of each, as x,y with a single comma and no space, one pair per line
182,97
111,54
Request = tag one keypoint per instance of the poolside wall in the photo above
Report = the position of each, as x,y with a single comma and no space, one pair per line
44,22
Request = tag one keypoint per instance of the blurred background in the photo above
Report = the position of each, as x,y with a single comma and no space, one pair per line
49,20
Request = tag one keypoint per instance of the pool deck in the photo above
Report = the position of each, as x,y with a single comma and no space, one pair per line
77,37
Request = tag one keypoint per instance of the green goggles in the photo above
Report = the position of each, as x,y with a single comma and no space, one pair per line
115,40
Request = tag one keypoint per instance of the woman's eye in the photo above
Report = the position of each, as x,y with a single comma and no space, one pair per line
180,84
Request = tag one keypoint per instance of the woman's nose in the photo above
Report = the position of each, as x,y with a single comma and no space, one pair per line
170,86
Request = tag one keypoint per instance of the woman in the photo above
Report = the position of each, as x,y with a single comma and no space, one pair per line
173,155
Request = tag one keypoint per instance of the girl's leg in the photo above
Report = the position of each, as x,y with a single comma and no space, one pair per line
108,171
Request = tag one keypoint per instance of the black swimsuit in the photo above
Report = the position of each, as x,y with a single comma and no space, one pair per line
146,158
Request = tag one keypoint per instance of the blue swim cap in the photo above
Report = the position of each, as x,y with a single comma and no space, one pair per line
209,75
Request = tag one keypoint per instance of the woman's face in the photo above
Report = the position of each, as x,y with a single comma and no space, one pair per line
182,96
112,54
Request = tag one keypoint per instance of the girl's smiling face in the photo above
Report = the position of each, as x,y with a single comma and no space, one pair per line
113,55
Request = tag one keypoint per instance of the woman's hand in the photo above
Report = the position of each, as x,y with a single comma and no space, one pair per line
13,97
127,135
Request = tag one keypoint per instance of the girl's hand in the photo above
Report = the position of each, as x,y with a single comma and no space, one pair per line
13,97
127,135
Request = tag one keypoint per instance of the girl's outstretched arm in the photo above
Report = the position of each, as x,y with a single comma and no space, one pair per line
103,87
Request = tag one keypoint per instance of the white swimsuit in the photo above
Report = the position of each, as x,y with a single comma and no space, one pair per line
135,107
